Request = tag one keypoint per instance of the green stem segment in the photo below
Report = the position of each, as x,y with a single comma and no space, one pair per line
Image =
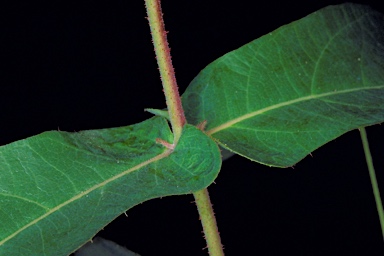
167,73
177,117
209,223
372,175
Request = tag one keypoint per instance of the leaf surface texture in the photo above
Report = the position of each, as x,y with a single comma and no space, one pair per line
280,97
57,189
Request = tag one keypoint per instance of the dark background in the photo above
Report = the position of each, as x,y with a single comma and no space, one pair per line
90,64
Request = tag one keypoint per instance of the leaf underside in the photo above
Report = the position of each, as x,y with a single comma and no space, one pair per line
280,97
57,189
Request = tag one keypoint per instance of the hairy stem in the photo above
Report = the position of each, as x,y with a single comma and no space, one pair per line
177,117
372,175
167,73
208,222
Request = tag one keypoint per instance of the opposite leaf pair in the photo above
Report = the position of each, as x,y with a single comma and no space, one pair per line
274,101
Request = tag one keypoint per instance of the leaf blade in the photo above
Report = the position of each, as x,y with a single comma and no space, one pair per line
280,97
71,207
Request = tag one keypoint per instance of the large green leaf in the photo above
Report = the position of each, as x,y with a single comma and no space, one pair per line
280,97
58,189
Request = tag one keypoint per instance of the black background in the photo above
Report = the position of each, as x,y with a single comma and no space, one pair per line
90,64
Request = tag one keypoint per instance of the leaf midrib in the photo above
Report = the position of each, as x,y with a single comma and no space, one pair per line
86,192
239,119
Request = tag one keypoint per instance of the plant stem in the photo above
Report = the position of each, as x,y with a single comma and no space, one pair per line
177,117
372,175
208,222
167,73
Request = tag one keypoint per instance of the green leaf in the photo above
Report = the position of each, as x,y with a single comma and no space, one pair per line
57,189
280,97
158,112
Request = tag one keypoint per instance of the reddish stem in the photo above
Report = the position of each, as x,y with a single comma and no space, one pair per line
167,73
